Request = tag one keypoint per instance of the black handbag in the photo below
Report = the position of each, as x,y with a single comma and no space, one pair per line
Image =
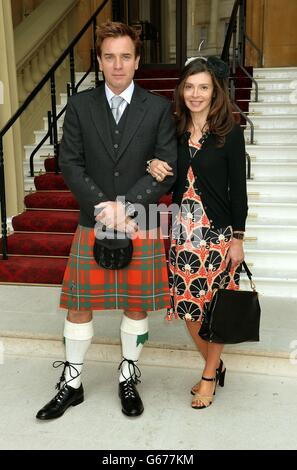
232,316
113,253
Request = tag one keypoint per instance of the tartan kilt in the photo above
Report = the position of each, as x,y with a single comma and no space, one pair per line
141,286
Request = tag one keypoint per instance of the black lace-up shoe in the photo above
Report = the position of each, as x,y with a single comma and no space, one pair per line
67,396
131,401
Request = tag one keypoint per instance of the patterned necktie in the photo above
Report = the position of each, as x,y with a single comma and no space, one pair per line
116,102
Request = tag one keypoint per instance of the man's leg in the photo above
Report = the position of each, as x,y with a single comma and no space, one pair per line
134,333
78,333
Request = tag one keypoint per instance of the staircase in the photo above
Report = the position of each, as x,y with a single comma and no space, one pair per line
40,244
271,243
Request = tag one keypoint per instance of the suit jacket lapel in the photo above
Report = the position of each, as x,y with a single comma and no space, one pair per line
137,111
101,119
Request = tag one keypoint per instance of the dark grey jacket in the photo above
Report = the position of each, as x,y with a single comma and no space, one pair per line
89,164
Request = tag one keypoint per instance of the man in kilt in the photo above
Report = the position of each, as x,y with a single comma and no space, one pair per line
109,134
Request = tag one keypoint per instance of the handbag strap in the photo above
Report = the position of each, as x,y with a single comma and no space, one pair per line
248,272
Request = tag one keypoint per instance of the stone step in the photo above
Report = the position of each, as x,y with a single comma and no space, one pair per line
60,123
272,73
269,230
275,169
272,152
41,133
44,152
272,283
276,121
275,84
31,312
275,96
63,99
38,167
268,257
272,136
272,189
262,210
272,108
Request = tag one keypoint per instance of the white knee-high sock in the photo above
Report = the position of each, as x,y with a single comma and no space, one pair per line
78,337
134,333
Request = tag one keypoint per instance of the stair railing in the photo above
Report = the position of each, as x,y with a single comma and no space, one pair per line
238,17
53,118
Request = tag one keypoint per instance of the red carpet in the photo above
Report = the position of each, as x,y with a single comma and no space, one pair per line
38,244
29,270
46,221
49,181
39,248
51,200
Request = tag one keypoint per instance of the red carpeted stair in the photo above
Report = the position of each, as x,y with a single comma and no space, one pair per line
29,270
38,249
40,244
162,81
51,200
46,221
49,181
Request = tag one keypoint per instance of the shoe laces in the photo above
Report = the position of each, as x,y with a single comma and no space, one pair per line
72,370
134,371
129,389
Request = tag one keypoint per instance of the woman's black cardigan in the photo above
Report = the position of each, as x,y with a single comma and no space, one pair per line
220,174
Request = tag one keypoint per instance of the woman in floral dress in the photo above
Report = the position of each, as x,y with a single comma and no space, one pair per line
210,192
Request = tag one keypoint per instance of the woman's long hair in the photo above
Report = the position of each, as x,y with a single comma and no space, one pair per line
220,119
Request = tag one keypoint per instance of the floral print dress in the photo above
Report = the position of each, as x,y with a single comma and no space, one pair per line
197,255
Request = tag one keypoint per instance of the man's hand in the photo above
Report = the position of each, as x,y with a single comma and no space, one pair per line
113,216
112,213
128,226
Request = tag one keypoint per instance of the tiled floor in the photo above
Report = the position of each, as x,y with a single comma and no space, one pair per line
250,412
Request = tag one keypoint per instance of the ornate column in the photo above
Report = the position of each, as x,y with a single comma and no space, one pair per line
12,140
194,19
212,45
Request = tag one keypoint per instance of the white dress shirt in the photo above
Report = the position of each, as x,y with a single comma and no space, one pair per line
126,94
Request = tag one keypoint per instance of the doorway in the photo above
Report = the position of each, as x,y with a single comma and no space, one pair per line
163,29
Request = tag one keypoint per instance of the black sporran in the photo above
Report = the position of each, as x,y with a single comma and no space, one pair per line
113,253
233,316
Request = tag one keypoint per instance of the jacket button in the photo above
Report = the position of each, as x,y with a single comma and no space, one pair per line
100,194
148,191
87,179
116,146
92,188
117,132
139,196
116,173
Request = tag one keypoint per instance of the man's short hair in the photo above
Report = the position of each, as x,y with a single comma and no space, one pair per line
113,29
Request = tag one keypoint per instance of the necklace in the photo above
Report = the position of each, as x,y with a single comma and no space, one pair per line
200,142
